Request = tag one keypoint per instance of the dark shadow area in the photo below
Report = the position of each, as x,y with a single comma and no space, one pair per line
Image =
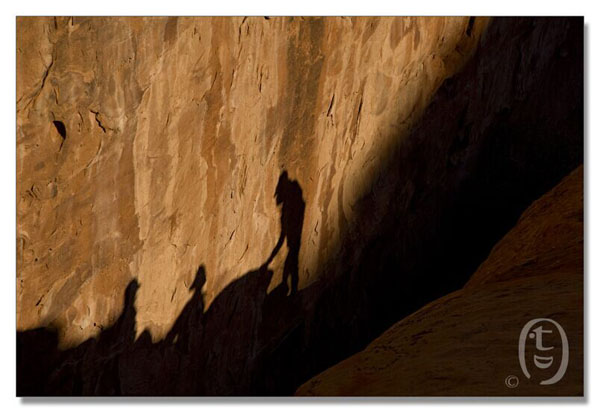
42,369
494,138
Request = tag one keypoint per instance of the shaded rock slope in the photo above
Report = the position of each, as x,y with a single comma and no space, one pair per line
465,344
179,178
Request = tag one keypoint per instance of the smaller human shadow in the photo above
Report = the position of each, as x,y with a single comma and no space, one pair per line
169,366
288,194
90,368
190,319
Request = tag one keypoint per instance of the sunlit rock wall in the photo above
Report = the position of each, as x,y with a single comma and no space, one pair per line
149,146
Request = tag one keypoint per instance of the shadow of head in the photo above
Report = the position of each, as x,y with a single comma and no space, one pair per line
130,293
200,279
282,188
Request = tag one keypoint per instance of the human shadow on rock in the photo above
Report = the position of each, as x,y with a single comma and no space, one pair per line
208,351
288,194
90,368
490,143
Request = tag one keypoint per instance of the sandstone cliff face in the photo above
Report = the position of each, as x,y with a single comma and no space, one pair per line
465,344
149,146
150,150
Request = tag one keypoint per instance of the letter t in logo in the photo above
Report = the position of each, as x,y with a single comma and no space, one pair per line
537,334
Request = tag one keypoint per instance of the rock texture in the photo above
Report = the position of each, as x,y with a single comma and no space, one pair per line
178,177
465,344
147,146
